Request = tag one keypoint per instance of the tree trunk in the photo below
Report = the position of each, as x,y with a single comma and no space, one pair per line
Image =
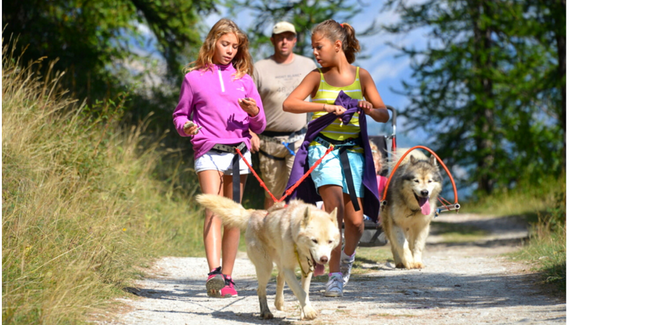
485,115
560,40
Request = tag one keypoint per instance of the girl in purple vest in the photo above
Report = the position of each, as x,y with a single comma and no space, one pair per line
334,46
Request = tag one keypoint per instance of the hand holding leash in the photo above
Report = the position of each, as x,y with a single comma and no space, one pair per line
336,109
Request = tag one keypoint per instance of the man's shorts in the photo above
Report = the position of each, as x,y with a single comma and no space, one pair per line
275,172
330,172
221,161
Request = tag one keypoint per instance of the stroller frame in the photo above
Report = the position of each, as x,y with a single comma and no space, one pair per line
373,234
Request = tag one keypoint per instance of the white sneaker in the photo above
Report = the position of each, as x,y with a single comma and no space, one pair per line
346,267
334,286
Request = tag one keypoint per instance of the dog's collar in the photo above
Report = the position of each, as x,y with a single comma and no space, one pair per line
309,261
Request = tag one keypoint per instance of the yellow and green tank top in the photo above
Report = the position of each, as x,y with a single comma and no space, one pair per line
327,95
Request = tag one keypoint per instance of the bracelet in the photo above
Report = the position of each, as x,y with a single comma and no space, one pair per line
324,107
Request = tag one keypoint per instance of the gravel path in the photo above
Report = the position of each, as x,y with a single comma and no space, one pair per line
466,283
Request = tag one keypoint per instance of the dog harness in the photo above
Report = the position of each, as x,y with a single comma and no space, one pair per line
235,164
343,147
289,144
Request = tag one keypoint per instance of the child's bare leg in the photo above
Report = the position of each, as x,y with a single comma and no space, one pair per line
353,225
211,183
230,240
332,196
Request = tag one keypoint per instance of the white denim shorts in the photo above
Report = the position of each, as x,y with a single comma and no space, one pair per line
221,161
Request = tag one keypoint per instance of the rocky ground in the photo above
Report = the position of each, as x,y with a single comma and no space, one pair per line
462,283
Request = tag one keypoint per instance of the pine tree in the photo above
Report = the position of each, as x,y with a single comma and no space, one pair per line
481,79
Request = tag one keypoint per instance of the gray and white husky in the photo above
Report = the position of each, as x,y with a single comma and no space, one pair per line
410,208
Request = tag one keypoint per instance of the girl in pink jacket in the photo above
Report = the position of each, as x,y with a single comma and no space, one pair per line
218,105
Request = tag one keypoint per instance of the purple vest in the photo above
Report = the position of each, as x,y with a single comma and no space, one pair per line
306,191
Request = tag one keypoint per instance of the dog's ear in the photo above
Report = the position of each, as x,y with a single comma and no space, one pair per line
413,159
334,218
434,161
305,218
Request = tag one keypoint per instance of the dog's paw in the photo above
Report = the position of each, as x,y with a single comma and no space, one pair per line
400,266
417,265
309,313
279,304
266,314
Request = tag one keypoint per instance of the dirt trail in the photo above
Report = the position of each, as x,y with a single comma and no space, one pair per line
466,283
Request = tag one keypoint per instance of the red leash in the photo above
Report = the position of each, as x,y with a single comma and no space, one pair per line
446,204
292,188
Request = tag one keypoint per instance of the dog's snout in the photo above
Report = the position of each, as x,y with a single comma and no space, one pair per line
324,259
424,193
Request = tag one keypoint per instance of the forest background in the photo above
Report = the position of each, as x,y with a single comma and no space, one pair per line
489,76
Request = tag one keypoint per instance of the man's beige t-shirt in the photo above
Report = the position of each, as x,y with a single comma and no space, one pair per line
274,83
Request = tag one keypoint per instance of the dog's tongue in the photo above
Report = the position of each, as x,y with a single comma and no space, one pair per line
424,205
319,269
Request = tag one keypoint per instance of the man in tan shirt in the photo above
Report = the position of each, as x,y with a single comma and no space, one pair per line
276,77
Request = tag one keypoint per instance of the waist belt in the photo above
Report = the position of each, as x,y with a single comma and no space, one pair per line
343,147
282,134
289,144
325,141
230,148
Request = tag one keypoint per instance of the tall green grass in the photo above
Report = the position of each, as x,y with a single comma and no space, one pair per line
81,211
547,248
527,198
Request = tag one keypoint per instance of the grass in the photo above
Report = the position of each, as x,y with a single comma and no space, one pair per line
547,251
526,200
547,248
457,233
543,204
82,207
372,255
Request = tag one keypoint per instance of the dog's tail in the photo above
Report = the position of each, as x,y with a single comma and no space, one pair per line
232,214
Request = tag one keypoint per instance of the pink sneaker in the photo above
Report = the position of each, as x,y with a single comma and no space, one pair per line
215,283
229,289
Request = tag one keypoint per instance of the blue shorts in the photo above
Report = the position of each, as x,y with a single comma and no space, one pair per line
330,172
